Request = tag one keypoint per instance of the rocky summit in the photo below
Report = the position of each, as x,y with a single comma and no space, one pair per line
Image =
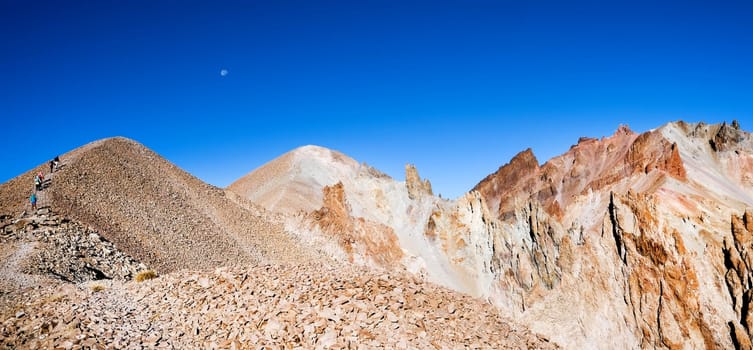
126,250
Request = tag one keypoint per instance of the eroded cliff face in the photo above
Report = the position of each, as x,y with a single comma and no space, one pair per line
738,262
637,244
661,288
622,242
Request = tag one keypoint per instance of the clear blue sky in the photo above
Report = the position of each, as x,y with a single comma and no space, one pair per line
457,88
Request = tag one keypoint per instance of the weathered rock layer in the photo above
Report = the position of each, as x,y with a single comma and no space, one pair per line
621,242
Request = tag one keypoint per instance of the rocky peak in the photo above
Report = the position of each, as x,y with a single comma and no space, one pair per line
651,151
726,137
517,175
416,187
524,160
521,166
624,129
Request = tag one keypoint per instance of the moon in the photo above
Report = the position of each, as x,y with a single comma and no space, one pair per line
223,72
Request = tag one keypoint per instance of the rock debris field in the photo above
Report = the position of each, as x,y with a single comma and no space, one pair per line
259,307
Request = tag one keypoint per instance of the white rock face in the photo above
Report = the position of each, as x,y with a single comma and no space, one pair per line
293,183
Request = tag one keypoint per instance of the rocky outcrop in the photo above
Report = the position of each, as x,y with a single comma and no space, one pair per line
543,251
358,237
738,261
517,176
416,187
50,246
465,234
650,151
661,284
726,137
633,215
591,165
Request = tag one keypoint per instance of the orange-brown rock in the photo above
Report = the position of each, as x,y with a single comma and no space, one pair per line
416,187
591,165
650,151
622,236
357,237
663,195
739,275
516,176
662,286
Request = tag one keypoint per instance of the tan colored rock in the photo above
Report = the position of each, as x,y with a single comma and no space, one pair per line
416,187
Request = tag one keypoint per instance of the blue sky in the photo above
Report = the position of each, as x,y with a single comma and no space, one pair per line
456,88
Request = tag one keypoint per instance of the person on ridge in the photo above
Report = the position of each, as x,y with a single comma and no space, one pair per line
33,200
37,182
52,166
56,161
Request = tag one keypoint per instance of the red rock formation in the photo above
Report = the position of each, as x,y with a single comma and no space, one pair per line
591,165
357,236
673,164
651,151
648,218
516,176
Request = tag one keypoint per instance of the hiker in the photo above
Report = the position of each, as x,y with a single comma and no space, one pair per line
56,161
52,166
38,182
33,200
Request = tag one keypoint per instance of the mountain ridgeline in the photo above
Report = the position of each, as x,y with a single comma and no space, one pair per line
628,241
635,240
229,274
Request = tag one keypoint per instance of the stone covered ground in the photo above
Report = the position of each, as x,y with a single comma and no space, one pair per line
262,306
67,287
